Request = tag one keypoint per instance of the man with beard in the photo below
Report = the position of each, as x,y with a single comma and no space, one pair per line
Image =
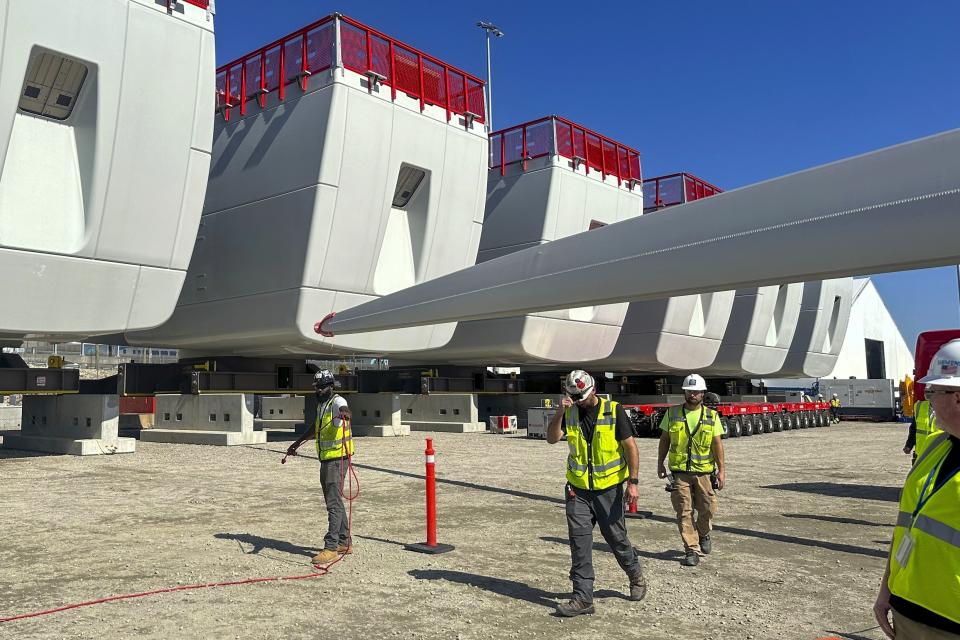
603,459
691,435
334,445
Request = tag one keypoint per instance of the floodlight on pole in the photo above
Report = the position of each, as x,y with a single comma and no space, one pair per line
491,29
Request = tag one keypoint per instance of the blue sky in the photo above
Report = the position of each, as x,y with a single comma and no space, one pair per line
735,92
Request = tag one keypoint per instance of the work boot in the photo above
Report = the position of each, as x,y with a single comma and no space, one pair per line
638,587
325,557
706,544
574,608
691,559
345,549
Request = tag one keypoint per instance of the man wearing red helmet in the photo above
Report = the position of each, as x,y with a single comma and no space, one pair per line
603,459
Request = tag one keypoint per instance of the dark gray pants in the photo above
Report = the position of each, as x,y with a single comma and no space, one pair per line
338,532
586,508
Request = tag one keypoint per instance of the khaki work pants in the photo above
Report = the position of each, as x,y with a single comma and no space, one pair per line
907,629
694,492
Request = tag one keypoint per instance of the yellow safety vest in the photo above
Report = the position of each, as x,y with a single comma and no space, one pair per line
926,426
834,402
691,446
930,575
332,441
599,463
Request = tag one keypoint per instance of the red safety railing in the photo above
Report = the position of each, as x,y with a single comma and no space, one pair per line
676,188
203,4
384,60
559,136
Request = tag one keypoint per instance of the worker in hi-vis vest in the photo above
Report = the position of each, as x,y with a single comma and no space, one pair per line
334,444
921,586
690,444
835,408
603,459
923,429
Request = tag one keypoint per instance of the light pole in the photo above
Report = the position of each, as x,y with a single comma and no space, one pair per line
491,29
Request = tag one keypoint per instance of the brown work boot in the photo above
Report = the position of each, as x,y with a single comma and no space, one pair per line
345,549
574,608
638,587
325,557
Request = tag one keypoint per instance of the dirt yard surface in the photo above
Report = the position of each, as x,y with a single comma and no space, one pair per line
799,546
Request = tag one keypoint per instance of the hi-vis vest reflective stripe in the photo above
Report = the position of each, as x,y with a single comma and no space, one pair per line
691,446
930,576
926,426
332,441
598,464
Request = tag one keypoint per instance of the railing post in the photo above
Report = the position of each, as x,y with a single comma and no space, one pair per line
503,152
262,98
393,74
446,90
337,43
282,75
243,87
523,148
369,51
420,75
304,67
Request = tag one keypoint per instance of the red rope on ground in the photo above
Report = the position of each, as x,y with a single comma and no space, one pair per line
321,571
351,495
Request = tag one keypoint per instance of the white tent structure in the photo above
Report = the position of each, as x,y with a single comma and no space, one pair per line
873,346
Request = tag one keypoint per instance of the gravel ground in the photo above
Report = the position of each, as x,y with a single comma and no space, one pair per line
799,549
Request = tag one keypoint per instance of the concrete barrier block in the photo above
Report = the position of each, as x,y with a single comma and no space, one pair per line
273,408
78,424
222,419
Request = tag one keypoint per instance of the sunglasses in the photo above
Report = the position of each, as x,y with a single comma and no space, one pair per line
938,392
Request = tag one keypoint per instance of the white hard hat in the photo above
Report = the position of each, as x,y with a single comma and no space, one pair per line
834,395
578,384
943,369
694,382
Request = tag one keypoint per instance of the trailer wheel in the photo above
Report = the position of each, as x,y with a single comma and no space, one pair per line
759,425
747,426
777,422
767,423
826,418
806,421
726,428
734,428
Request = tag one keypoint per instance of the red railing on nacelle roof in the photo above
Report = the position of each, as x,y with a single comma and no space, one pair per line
383,59
559,136
675,188
203,4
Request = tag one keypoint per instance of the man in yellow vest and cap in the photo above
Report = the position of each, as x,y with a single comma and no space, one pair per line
923,429
603,459
334,444
921,586
691,435
835,408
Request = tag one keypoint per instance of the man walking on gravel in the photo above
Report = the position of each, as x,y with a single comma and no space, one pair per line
334,445
691,436
603,459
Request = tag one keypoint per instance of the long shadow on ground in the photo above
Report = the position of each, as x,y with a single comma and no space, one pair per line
259,544
839,490
509,588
